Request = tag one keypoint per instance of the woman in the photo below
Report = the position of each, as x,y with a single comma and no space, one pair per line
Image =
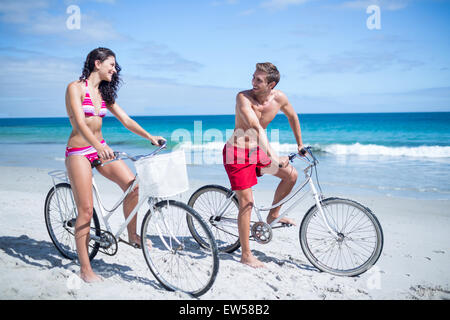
87,102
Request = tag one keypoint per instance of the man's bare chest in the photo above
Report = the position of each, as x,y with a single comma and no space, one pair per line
265,113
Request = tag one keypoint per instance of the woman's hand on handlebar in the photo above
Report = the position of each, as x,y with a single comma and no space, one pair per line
301,150
157,140
105,153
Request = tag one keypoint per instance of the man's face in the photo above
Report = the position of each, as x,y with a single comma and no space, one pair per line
259,81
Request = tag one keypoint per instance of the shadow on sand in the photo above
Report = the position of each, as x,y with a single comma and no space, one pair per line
43,254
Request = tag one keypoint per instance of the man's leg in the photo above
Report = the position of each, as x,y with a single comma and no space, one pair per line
245,198
288,178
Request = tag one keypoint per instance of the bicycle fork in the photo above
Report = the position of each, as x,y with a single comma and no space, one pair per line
172,246
322,213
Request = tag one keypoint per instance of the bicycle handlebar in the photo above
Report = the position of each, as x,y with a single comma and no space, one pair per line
304,151
118,155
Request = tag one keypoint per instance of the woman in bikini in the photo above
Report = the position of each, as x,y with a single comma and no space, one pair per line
87,102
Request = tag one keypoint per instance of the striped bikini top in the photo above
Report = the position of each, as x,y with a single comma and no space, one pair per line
89,108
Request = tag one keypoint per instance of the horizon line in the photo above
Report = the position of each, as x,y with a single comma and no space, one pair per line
226,114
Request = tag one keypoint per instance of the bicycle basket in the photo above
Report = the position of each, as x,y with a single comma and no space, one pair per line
163,175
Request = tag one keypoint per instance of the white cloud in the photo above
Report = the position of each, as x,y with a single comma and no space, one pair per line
390,5
224,2
359,62
281,4
157,57
20,11
34,18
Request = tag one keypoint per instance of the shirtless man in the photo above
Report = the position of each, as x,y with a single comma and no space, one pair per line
248,154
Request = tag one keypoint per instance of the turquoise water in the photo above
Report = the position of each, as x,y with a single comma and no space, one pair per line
398,154
322,130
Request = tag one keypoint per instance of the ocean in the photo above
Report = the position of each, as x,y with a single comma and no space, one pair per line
389,154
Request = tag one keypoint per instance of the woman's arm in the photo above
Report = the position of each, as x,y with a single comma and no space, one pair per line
132,125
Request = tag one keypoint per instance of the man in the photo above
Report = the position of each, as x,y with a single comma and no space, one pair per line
248,154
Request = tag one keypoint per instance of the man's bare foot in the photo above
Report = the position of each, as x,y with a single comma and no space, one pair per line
90,276
135,240
252,261
282,220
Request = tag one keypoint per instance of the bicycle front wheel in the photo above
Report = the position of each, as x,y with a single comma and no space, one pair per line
214,204
60,214
356,247
176,260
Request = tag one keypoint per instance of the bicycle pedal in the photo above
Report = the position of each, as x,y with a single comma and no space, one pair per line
133,245
286,225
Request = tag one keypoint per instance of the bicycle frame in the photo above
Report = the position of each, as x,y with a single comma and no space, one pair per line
105,214
286,199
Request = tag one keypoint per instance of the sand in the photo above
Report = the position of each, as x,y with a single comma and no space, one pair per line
414,263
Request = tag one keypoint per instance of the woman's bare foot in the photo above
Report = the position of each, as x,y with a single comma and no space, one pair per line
252,261
90,276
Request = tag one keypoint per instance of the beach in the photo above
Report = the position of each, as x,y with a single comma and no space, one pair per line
413,265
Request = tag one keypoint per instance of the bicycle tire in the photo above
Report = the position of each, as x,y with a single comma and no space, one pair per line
60,233
207,200
318,245
176,260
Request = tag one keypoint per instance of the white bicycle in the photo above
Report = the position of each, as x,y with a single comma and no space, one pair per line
175,258
338,236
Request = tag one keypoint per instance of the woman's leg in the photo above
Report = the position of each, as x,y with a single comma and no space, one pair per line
121,174
80,175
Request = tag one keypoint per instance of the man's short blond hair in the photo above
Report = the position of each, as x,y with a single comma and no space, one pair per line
272,72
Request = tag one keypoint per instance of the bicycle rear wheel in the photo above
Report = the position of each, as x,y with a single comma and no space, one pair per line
208,201
176,260
60,216
356,248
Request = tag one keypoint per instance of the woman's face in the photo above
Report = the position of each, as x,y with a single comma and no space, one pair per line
107,68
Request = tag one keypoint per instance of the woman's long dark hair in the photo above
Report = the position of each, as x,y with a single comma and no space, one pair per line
107,89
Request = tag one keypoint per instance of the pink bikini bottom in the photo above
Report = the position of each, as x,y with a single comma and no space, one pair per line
89,152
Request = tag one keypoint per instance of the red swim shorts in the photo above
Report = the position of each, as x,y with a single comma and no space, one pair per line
243,166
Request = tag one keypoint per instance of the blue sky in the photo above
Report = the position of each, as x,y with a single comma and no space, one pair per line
192,57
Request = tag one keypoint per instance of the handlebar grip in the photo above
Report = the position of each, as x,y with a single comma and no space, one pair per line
96,163
161,142
303,151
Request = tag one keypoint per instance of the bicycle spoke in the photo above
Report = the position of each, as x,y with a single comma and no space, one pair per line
208,203
175,258
354,245
59,209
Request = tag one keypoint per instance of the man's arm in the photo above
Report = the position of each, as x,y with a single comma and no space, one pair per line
294,122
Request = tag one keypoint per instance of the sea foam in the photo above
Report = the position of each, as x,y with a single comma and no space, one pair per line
339,149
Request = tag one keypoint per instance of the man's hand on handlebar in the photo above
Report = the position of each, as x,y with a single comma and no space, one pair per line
283,162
